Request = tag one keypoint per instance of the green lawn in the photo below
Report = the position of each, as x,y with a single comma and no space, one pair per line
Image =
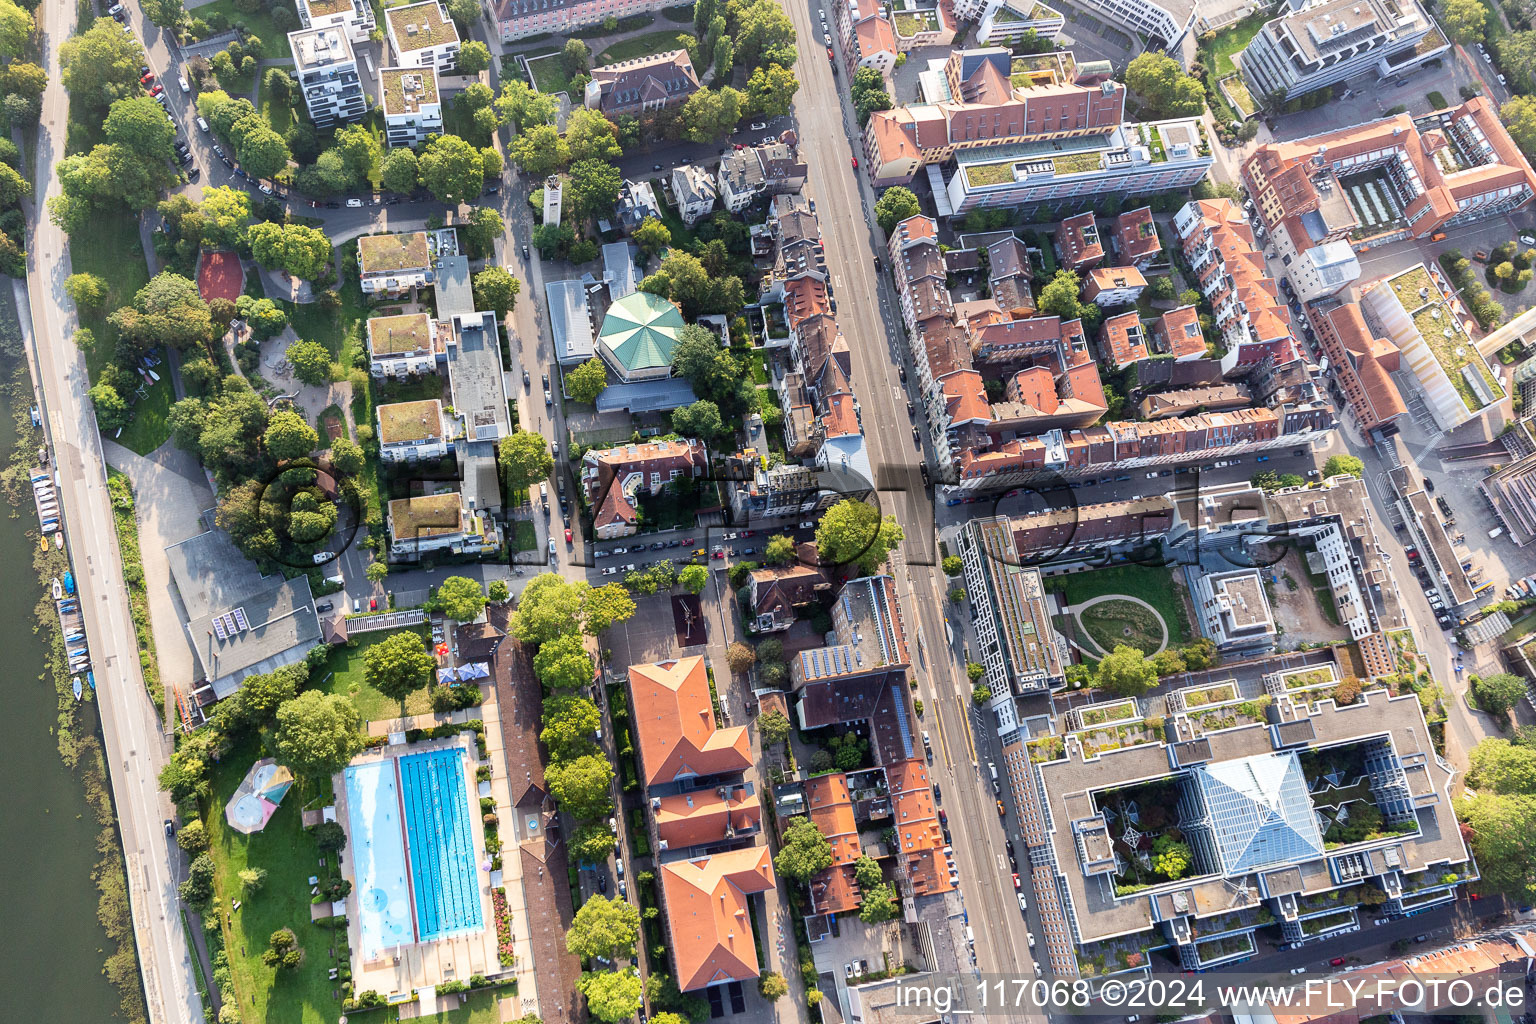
344,675
525,536
644,45
278,115
289,856
549,74
1122,622
1234,39
274,42
1152,585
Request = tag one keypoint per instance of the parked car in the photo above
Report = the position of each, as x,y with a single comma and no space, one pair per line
354,204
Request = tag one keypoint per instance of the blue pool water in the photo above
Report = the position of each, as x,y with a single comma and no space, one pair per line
377,849
437,830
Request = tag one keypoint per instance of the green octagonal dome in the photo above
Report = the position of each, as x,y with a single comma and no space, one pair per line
639,333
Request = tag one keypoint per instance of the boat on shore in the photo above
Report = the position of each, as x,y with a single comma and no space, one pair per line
75,685
43,542
58,540
58,589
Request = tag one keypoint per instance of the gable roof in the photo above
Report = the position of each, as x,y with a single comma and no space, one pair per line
675,720
703,816
708,918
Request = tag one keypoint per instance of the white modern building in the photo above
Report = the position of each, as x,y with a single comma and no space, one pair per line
1005,22
412,431
412,108
327,71
1168,22
518,19
1334,41
353,17
402,346
1016,642
1233,608
423,36
1319,270
425,524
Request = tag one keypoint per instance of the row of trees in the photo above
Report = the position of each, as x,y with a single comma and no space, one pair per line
1500,821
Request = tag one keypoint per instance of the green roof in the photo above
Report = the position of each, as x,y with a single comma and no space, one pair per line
640,331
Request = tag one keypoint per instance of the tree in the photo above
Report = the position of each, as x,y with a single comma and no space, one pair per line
710,114
101,64
225,212
1463,20
1162,289
952,565
497,290
894,206
524,458
763,33
1127,672
192,836
1518,51
289,437
197,891
780,550
773,728
140,125
330,837
1500,766
251,881
540,150
878,904
317,733
581,785
740,657
1503,838
612,996
398,666
592,843
1498,693
24,78
569,722
563,663
866,871
701,420
593,188
771,90
482,229
771,985
587,381
854,534
694,578
1170,858
552,240
261,151
607,928
804,851
298,249
548,609
1519,116
452,170
474,56
522,107
1059,297
1339,465
590,136
311,362
1164,88
88,291
602,606
576,58
652,236
375,572
399,171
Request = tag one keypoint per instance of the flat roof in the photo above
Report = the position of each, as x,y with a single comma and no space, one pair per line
419,26
319,47
647,395
569,320
429,515
455,297
475,377
403,422
399,335
393,254
405,89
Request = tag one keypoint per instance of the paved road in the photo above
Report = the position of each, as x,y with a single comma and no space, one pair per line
136,746
871,326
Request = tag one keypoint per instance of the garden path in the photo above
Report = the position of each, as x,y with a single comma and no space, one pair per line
1075,610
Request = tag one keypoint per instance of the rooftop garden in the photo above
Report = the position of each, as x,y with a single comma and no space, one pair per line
1076,163
1232,920
1311,678
1211,950
1215,694
1440,327
1101,714
1230,716
1333,899
1046,748
1327,922
1236,90
1106,738
980,175
1142,820
1125,953
1154,139
910,23
1430,43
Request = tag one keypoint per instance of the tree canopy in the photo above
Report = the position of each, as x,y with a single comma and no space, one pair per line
584,383
562,663
1164,88
398,665
612,996
581,785
855,534
570,720
1339,465
524,458
804,851
895,205
1464,20
549,608
608,928
317,733
460,598
452,169
102,63
1127,672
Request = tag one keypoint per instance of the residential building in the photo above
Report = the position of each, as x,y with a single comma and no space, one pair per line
871,649
1389,179
1177,333
829,805
394,264
326,68
1233,610
1231,272
518,19
1016,641
1333,41
1136,242
475,376
1009,276
675,727
868,38
1123,340
740,179
614,479
238,622
422,36
1077,242
412,431
402,345
412,109
923,857
1005,22
922,23
708,917
426,524
639,332
773,168
1363,363
1187,401
632,87
1316,271
637,201
353,17
778,593
1419,312
695,192
1108,287
703,817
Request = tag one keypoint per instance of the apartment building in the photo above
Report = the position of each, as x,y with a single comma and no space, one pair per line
328,78
868,38
1006,22
1177,333
769,169
1016,641
615,478
353,17
1363,363
394,264
1170,23
412,109
423,525
632,87
777,593
923,23
423,36
1231,273
412,431
1233,610
1078,244
695,192
1108,287
1135,240
402,345
1393,178
1332,41
519,19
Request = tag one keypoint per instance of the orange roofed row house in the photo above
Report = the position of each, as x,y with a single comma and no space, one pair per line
615,478
692,770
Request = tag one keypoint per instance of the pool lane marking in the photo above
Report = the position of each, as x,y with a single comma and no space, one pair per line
405,845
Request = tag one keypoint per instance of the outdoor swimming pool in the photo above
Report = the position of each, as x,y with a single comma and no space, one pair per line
377,848
437,827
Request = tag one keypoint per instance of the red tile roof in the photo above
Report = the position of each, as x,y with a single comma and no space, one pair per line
708,918
1137,234
703,816
675,721
1124,340
830,806
1078,240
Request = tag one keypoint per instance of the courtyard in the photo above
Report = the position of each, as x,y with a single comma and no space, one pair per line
1138,605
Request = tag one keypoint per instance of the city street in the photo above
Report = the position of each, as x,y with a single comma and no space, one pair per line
136,743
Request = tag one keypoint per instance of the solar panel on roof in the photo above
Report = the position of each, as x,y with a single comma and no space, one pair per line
239,614
218,628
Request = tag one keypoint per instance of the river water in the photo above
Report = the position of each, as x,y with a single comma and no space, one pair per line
51,946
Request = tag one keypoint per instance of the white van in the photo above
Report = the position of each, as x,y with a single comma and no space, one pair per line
186,86
202,125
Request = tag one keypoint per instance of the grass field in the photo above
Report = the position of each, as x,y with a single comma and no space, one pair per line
525,536
1153,585
644,45
549,74
274,41
344,675
1122,622
1233,40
